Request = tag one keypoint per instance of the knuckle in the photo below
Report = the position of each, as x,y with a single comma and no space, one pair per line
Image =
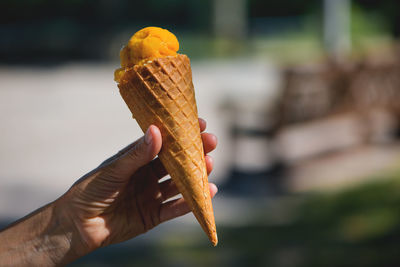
136,152
113,172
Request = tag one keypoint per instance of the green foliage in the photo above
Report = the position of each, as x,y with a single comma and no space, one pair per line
366,24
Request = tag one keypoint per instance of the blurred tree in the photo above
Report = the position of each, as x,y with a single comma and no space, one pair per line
389,9
281,8
84,29
230,19
337,27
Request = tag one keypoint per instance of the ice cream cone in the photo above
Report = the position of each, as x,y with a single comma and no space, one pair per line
160,92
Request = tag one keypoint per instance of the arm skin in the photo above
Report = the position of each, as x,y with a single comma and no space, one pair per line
117,201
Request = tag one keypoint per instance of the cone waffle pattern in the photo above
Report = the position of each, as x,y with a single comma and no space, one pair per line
161,93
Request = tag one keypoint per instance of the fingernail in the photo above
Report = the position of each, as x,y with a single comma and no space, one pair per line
148,138
215,188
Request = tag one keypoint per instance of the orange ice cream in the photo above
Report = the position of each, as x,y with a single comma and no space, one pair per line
145,45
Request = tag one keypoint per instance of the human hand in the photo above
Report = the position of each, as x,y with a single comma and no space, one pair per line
123,197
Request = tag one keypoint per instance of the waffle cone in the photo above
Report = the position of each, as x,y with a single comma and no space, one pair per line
161,93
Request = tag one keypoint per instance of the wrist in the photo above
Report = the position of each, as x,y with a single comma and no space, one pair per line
46,237
64,219
55,238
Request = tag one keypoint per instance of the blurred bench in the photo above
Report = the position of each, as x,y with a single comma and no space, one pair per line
322,109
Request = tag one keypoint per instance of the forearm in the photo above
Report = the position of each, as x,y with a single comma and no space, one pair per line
43,238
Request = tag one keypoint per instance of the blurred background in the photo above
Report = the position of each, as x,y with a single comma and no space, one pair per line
304,97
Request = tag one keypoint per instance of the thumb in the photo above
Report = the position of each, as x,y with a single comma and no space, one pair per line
144,150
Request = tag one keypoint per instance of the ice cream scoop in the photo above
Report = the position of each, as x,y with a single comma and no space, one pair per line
145,45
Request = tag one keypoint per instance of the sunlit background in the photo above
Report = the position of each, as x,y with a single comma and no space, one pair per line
304,97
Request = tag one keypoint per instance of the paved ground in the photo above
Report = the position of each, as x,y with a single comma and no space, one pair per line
347,168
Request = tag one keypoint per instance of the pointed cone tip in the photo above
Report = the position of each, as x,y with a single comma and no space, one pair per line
214,239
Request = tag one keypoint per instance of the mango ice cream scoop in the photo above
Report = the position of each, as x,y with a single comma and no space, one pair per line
156,84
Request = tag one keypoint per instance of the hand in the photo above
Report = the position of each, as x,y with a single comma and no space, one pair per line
123,197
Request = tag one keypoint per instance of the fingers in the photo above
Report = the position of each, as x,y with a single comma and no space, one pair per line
213,189
137,154
202,124
158,168
209,142
140,154
209,163
168,189
178,207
